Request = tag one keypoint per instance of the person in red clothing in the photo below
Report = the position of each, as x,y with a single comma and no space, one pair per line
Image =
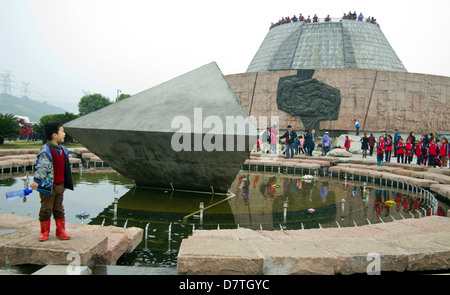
400,151
443,152
389,145
408,151
380,150
347,143
372,142
419,153
433,152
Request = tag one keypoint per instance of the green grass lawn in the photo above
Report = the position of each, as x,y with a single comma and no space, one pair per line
20,144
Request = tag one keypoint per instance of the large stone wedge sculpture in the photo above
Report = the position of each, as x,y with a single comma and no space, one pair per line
189,133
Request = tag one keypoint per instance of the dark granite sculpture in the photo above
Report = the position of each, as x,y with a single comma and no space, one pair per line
175,135
313,101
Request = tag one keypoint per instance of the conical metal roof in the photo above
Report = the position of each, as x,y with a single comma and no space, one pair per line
343,44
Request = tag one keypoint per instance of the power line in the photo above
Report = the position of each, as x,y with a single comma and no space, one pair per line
6,82
25,88
8,86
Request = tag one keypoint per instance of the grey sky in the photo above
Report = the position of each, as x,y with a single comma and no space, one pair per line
62,47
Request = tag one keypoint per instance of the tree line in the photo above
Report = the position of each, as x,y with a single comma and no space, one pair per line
10,125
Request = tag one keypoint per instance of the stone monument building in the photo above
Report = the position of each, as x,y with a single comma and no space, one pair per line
298,64
319,76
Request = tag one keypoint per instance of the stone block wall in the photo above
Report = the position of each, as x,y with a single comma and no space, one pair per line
379,100
257,92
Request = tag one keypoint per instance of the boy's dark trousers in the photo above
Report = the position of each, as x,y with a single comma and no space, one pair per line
408,159
388,156
419,160
52,204
380,157
431,160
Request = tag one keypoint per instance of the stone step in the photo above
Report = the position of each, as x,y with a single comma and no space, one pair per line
88,244
404,245
23,247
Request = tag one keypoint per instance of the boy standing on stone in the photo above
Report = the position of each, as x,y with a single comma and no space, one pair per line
52,177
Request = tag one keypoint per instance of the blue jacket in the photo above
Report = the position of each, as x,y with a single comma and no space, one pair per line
44,174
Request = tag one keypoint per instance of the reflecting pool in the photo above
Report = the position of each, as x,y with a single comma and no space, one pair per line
266,201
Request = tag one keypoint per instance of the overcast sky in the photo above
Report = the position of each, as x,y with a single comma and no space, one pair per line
65,47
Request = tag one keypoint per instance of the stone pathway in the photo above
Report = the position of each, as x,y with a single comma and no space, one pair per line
436,180
404,245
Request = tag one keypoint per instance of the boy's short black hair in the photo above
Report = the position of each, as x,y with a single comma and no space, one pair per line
51,128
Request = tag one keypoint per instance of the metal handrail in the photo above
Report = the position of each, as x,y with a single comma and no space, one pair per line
322,20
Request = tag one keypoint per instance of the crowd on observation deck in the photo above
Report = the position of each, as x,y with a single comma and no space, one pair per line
316,19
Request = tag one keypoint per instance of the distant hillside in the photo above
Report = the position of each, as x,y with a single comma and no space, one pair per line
27,107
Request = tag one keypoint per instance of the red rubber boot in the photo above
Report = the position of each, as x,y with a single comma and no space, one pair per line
45,231
61,229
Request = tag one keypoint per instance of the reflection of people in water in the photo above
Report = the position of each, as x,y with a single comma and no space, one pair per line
299,184
345,186
415,204
255,181
386,207
441,211
378,202
324,191
290,185
398,201
380,205
268,190
361,190
244,185
405,203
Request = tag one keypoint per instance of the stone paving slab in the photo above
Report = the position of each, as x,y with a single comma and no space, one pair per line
410,244
423,252
28,250
8,152
435,179
102,245
351,254
294,258
425,183
441,189
218,256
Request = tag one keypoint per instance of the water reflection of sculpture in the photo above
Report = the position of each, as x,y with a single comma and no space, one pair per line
271,186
